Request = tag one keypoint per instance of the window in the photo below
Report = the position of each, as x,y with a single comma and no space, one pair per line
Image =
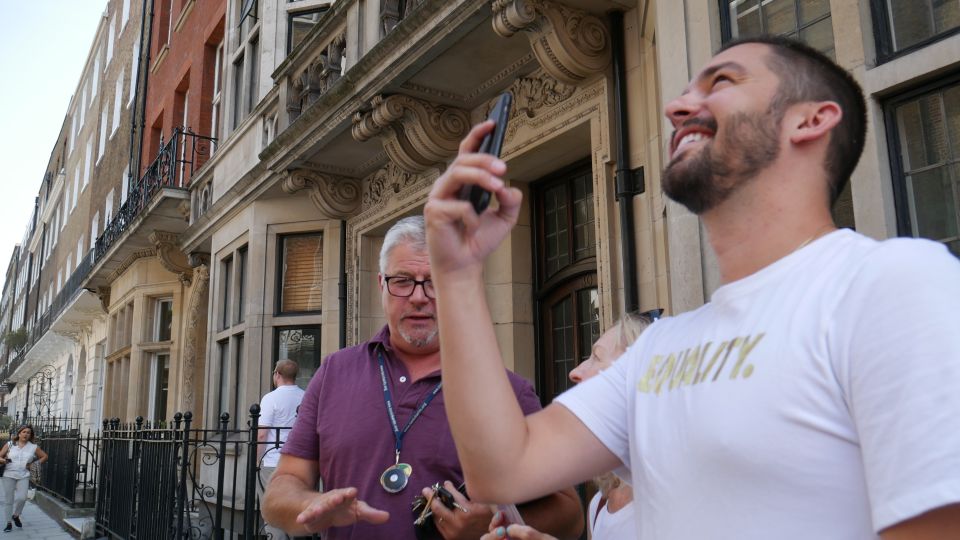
110,38
76,184
159,386
217,93
924,129
244,60
134,71
95,225
568,309
95,76
301,273
299,24
223,386
226,289
806,20
162,320
125,12
83,105
108,209
79,250
103,138
87,162
73,131
300,344
125,185
117,99
903,25
241,284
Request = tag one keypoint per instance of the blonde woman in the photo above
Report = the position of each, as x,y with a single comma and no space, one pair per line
18,455
611,515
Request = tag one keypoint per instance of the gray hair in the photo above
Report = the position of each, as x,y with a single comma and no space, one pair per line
409,230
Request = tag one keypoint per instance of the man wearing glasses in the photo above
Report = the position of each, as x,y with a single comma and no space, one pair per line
374,429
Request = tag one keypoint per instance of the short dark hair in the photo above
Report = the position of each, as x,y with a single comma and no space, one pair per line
806,74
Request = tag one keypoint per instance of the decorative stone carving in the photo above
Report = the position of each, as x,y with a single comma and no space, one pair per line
571,45
533,93
103,293
195,342
336,196
170,256
317,78
416,135
390,179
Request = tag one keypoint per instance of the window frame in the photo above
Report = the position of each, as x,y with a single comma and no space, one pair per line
898,178
322,9
278,271
275,356
726,22
883,34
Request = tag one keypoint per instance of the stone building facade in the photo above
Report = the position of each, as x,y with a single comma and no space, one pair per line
332,119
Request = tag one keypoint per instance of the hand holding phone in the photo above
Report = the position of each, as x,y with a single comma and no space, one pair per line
492,144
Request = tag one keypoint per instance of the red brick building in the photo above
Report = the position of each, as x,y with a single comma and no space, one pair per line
185,67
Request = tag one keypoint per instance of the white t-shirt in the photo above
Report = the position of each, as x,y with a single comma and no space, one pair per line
817,398
615,526
279,409
18,459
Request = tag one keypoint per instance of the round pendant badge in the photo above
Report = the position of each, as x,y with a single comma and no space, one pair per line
395,478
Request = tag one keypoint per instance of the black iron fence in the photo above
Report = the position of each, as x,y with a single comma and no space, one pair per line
72,468
177,481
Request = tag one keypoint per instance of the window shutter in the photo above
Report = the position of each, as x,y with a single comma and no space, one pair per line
302,274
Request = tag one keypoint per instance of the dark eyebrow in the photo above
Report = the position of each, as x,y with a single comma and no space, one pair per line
710,71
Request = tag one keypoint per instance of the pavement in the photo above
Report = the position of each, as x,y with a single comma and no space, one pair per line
37,525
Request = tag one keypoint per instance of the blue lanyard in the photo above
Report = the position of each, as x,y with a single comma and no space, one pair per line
397,432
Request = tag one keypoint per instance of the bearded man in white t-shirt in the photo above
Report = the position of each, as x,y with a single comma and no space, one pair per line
278,411
817,394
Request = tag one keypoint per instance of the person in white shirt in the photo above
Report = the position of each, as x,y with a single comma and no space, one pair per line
278,411
18,455
814,396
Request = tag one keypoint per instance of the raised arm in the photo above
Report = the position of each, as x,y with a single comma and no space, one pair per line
506,457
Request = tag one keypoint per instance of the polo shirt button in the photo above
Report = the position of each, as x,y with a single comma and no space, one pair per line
403,378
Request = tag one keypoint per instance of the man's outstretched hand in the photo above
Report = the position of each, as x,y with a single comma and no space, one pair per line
458,238
338,508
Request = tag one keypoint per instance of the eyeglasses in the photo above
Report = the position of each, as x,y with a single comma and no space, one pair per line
404,286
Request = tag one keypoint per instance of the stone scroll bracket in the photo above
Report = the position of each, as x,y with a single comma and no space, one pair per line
170,256
336,196
417,135
571,45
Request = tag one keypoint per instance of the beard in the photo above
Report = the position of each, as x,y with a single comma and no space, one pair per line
419,337
702,181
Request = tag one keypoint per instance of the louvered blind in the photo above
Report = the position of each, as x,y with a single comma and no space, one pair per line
302,273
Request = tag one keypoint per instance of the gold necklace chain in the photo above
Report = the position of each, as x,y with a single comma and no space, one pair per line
820,232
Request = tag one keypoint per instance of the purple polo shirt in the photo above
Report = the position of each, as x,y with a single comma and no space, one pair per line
343,425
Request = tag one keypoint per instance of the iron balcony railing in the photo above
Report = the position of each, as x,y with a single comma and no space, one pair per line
173,167
60,302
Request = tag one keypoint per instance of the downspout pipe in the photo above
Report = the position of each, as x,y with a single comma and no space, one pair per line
343,283
629,183
144,69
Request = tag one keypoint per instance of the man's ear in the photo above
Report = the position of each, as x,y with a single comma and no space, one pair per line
380,282
810,121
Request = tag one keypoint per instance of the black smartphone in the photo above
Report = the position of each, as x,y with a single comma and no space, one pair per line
492,144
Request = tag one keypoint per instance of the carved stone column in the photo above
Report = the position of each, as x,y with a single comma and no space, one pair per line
195,342
336,196
416,135
571,45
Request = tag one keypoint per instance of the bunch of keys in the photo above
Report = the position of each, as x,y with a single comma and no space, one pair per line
421,504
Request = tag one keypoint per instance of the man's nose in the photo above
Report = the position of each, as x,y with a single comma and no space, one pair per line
683,107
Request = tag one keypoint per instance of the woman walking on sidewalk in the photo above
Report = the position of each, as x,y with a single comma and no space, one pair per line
18,455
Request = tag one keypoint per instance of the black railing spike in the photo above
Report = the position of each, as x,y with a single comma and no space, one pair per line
139,422
255,409
225,419
188,416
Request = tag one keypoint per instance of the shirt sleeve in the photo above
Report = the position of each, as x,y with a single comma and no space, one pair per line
601,404
303,441
526,395
896,351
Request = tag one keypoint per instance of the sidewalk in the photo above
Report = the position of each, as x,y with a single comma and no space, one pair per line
36,526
